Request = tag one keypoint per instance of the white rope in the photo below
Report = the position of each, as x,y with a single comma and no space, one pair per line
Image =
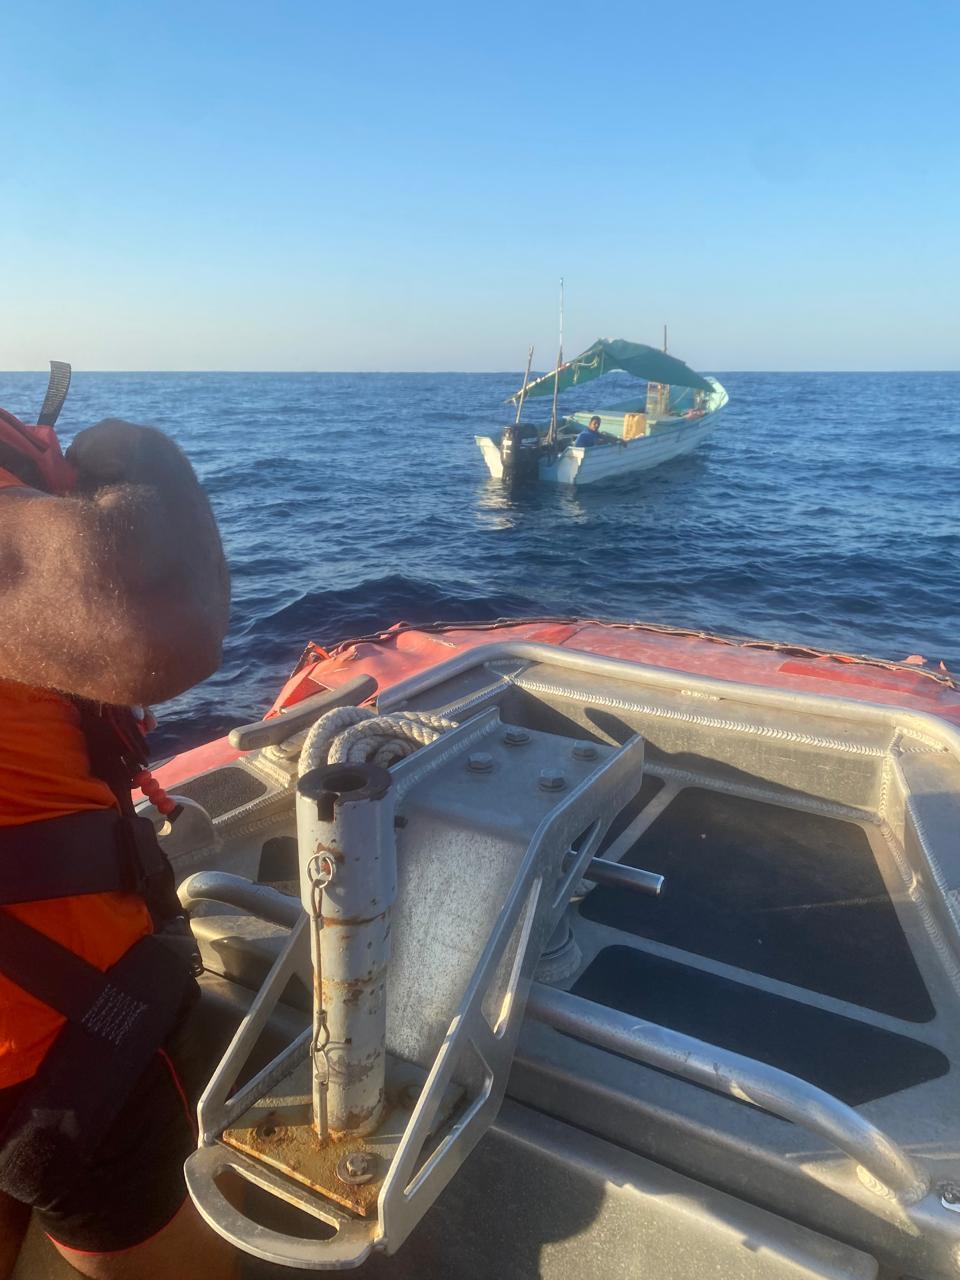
354,735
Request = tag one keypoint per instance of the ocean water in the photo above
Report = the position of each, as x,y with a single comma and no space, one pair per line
824,511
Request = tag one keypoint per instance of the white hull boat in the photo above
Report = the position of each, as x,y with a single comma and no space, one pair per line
672,437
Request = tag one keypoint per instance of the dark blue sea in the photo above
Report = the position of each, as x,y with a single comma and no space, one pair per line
824,510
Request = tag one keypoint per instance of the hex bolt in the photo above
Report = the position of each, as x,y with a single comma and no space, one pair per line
480,762
552,780
516,737
411,1094
355,1168
584,751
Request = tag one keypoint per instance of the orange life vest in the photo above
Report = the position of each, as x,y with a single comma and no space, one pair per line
96,957
45,773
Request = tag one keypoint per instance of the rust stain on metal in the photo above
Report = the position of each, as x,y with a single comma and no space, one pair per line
360,1117
295,1149
347,1071
350,992
336,922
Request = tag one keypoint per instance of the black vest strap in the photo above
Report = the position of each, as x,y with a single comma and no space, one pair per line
63,857
67,983
97,852
112,1032
113,759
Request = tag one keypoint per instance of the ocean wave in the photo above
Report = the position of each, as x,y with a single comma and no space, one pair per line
823,511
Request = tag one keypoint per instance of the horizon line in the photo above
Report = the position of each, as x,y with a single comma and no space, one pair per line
307,373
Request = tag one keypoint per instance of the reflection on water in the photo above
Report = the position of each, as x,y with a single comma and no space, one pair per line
501,507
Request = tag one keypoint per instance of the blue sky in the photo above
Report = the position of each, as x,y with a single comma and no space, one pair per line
400,186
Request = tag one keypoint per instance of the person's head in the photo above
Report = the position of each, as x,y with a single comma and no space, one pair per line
594,423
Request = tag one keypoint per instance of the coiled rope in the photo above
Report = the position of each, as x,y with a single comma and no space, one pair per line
355,735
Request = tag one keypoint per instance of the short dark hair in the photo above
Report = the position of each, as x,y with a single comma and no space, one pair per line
594,419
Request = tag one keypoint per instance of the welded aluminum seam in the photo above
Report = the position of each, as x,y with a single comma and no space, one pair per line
252,817
920,745
926,848
276,770
885,773
454,709
710,722
791,799
940,731
908,875
911,884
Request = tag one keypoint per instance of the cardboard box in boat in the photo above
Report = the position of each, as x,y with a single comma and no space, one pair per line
634,424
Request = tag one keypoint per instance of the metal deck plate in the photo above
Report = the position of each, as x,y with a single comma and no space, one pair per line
278,1131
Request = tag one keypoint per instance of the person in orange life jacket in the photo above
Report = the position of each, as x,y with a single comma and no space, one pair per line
117,594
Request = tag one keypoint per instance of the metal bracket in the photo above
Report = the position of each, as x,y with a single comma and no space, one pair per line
468,1071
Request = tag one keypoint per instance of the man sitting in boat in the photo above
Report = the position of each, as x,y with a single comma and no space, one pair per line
117,594
591,435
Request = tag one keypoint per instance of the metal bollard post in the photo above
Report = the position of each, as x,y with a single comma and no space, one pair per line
348,883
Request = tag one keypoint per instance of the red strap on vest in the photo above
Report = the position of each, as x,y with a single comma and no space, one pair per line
39,449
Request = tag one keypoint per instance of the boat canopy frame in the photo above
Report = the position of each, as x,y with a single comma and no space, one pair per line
607,355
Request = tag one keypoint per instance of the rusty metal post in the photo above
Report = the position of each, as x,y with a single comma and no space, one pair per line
348,882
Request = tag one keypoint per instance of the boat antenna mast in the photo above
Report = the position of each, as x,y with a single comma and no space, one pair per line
552,433
523,389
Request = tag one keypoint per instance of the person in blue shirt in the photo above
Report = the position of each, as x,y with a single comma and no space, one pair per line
591,435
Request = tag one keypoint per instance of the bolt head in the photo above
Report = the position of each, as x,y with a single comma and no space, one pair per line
355,1168
480,762
515,737
552,780
584,751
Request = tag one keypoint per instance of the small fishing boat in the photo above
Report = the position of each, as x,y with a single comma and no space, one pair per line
676,413
565,948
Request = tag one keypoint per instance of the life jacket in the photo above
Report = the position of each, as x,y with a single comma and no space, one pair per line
32,453
115,1021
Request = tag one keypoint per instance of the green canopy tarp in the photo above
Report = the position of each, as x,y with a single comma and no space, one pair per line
608,354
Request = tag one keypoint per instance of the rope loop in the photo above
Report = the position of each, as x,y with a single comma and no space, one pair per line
357,735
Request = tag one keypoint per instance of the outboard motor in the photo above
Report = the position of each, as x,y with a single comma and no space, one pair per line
520,451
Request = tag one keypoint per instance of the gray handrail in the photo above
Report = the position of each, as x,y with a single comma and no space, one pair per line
745,1079
662,679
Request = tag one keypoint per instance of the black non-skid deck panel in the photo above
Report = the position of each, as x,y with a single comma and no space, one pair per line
795,896
222,790
850,1059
